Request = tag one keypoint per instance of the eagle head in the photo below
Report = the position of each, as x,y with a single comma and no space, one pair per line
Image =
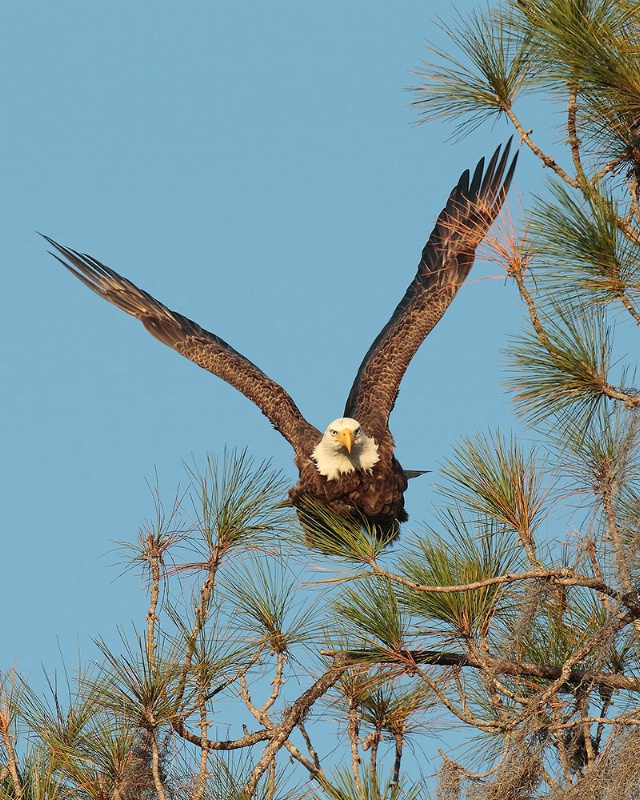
344,448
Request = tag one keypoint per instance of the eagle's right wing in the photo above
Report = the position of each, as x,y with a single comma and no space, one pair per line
199,345
446,260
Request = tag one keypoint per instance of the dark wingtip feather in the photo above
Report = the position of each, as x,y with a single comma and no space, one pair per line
84,268
487,182
462,186
477,177
495,171
507,181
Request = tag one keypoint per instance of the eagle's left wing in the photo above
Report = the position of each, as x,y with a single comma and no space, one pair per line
199,345
446,260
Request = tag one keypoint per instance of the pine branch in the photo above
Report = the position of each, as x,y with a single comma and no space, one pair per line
562,576
572,130
567,677
547,161
292,717
248,740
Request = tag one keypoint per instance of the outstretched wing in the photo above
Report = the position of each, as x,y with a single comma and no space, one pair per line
446,260
204,348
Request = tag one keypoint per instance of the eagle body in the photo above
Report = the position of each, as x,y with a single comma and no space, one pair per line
350,470
373,493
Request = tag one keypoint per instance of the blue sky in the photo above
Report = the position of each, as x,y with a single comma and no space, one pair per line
243,162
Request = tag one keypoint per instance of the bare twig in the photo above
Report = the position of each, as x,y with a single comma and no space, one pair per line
572,129
399,747
547,161
608,168
203,772
310,749
155,766
353,731
154,557
624,299
292,717
201,614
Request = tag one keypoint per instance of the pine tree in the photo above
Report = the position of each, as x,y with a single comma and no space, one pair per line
514,616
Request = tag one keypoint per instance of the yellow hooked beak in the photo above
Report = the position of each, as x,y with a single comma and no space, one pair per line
346,437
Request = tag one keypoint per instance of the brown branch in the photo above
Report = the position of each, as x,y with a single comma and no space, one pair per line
590,546
374,740
497,687
7,740
463,714
624,225
310,748
261,713
494,687
292,717
561,748
551,575
505,666
610,166
518,276
586,731
568,674
201,614
607,702
608,502
399,746
178,723
622,297
203,771
277,682
271,791
154,556
627,228
247,740
461,692
314,768
547,161
621,719
634,208
353,731
155,765
563,576
572,129
630,400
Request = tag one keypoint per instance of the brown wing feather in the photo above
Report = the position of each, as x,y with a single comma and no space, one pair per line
199,345
446,260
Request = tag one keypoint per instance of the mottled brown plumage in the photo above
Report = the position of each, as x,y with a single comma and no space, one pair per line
375,493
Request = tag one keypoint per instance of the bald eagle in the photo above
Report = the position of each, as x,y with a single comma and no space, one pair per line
350,469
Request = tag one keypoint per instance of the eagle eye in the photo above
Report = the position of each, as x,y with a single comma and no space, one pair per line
333,433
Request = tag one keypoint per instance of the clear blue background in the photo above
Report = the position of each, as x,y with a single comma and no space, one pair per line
249,164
